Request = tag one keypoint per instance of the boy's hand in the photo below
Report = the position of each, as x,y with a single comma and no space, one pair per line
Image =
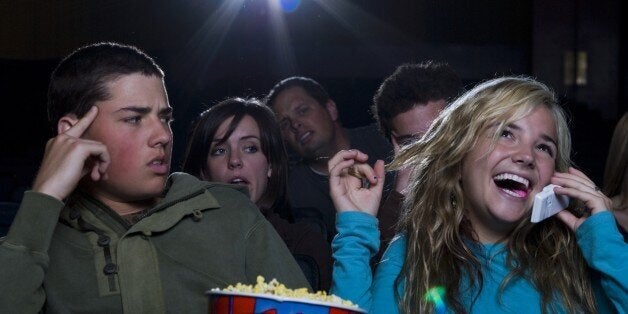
66,160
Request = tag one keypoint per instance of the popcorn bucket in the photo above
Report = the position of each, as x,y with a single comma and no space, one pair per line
222,302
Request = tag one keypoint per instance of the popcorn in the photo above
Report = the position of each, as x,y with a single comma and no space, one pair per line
278,289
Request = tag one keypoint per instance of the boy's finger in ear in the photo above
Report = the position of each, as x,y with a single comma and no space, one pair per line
82,124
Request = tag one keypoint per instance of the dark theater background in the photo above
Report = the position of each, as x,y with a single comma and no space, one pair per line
213,49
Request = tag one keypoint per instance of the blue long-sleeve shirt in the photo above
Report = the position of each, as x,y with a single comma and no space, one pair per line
358,239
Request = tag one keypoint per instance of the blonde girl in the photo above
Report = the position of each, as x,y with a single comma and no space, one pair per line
466,243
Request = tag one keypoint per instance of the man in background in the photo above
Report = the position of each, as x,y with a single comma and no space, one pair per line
404,106
311,126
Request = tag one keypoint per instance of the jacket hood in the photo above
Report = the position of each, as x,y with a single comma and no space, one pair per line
183,195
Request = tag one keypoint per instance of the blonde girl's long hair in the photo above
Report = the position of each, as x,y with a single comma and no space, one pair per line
615,179
440,240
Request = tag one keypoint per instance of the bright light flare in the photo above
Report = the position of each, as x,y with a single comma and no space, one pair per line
289,5
284,56
436,296
209,38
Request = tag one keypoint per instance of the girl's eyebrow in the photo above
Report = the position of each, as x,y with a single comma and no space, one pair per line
549,139
544,136
246,137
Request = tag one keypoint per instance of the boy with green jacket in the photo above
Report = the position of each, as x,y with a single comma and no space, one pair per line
105,229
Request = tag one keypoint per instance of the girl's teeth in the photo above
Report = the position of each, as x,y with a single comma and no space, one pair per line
513,177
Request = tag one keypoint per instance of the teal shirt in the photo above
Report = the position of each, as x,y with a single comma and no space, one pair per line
358,237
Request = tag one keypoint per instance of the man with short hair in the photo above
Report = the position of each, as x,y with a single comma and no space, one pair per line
310,124
404,106
105,229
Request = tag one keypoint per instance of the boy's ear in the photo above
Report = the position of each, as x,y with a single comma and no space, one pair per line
66,122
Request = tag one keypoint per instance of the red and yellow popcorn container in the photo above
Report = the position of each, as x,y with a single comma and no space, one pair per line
229,302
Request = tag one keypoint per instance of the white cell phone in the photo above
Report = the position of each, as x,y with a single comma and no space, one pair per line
547,204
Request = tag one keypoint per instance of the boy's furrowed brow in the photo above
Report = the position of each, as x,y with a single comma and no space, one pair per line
140,110
166,111
145,110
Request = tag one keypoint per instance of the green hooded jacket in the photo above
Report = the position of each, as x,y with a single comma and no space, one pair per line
82,257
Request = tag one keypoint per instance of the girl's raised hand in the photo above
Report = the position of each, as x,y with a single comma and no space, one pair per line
347,191
577,185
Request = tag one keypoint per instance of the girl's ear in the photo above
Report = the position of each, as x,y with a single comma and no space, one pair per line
269,172
66,122
204,177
